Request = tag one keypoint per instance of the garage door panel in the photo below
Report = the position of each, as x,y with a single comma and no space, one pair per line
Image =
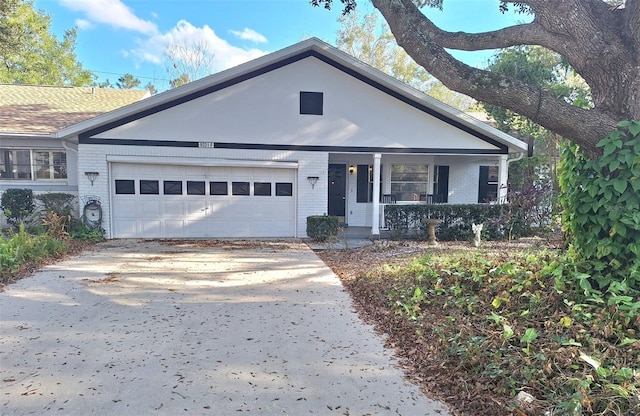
125,229
173,228
173,208
146,208
270,227
189,215
150,228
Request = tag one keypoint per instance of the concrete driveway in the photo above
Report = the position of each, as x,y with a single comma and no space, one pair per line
218,328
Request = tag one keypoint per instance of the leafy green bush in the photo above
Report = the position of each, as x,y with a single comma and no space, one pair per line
17,204
59,203
501,221
505,322
21,247
79,231
322,227
601,199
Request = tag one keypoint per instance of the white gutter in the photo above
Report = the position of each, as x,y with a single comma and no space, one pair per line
519,156
69,146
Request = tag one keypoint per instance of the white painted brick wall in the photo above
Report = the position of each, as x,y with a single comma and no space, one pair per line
463,183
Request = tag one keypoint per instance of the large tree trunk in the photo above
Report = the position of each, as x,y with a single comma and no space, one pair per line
601,43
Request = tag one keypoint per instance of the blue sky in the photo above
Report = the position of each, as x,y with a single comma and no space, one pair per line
120,36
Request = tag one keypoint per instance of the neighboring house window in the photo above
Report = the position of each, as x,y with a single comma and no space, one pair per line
50,164
488,184
409,182
31,164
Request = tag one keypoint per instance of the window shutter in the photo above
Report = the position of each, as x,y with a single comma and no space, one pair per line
362,192
442,186
483,185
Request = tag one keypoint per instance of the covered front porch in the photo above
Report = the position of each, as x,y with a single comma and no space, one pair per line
361,185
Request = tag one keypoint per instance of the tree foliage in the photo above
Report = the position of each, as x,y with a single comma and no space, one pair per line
371,41
180,81
599,39
151,88
31,54
188,61
128,82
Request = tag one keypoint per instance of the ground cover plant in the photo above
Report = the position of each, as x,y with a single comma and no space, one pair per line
22,251
498,330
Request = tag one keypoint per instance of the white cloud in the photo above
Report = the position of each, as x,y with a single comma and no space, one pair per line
249,34
112,12
83,24
225,55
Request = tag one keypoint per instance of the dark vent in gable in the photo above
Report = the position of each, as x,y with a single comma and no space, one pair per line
311,103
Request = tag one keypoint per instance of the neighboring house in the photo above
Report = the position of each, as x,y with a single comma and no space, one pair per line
254,150
30,154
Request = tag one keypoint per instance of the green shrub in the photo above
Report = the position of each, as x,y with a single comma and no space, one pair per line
322,227
501,221
59,203
21,247
79,231
601,199
17,205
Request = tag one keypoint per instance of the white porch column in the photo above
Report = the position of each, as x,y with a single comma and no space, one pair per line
503,176
375,221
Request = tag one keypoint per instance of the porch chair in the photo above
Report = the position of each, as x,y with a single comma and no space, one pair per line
388,199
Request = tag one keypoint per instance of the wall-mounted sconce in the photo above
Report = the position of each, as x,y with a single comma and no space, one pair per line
92,176
352,169
312,180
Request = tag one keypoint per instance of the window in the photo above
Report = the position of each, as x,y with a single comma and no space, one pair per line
149,187
311,103
30,164
195,188
284,189
488,184
50,164
409,182
125,187
172,187
262,188
240,188
218,188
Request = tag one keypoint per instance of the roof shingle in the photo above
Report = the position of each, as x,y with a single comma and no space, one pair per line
43,109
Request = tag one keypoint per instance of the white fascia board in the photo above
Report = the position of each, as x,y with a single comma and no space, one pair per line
190,161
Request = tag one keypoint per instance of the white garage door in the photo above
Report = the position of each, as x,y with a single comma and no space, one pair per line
169,201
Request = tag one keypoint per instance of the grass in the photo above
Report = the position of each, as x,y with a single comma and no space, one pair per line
500,332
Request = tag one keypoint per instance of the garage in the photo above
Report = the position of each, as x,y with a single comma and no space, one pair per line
182,201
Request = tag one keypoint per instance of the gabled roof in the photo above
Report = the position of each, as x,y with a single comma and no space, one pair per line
312,47
45,110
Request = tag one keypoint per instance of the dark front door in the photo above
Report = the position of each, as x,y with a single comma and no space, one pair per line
337,190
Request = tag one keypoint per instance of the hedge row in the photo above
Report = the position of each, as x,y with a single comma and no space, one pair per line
500,221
